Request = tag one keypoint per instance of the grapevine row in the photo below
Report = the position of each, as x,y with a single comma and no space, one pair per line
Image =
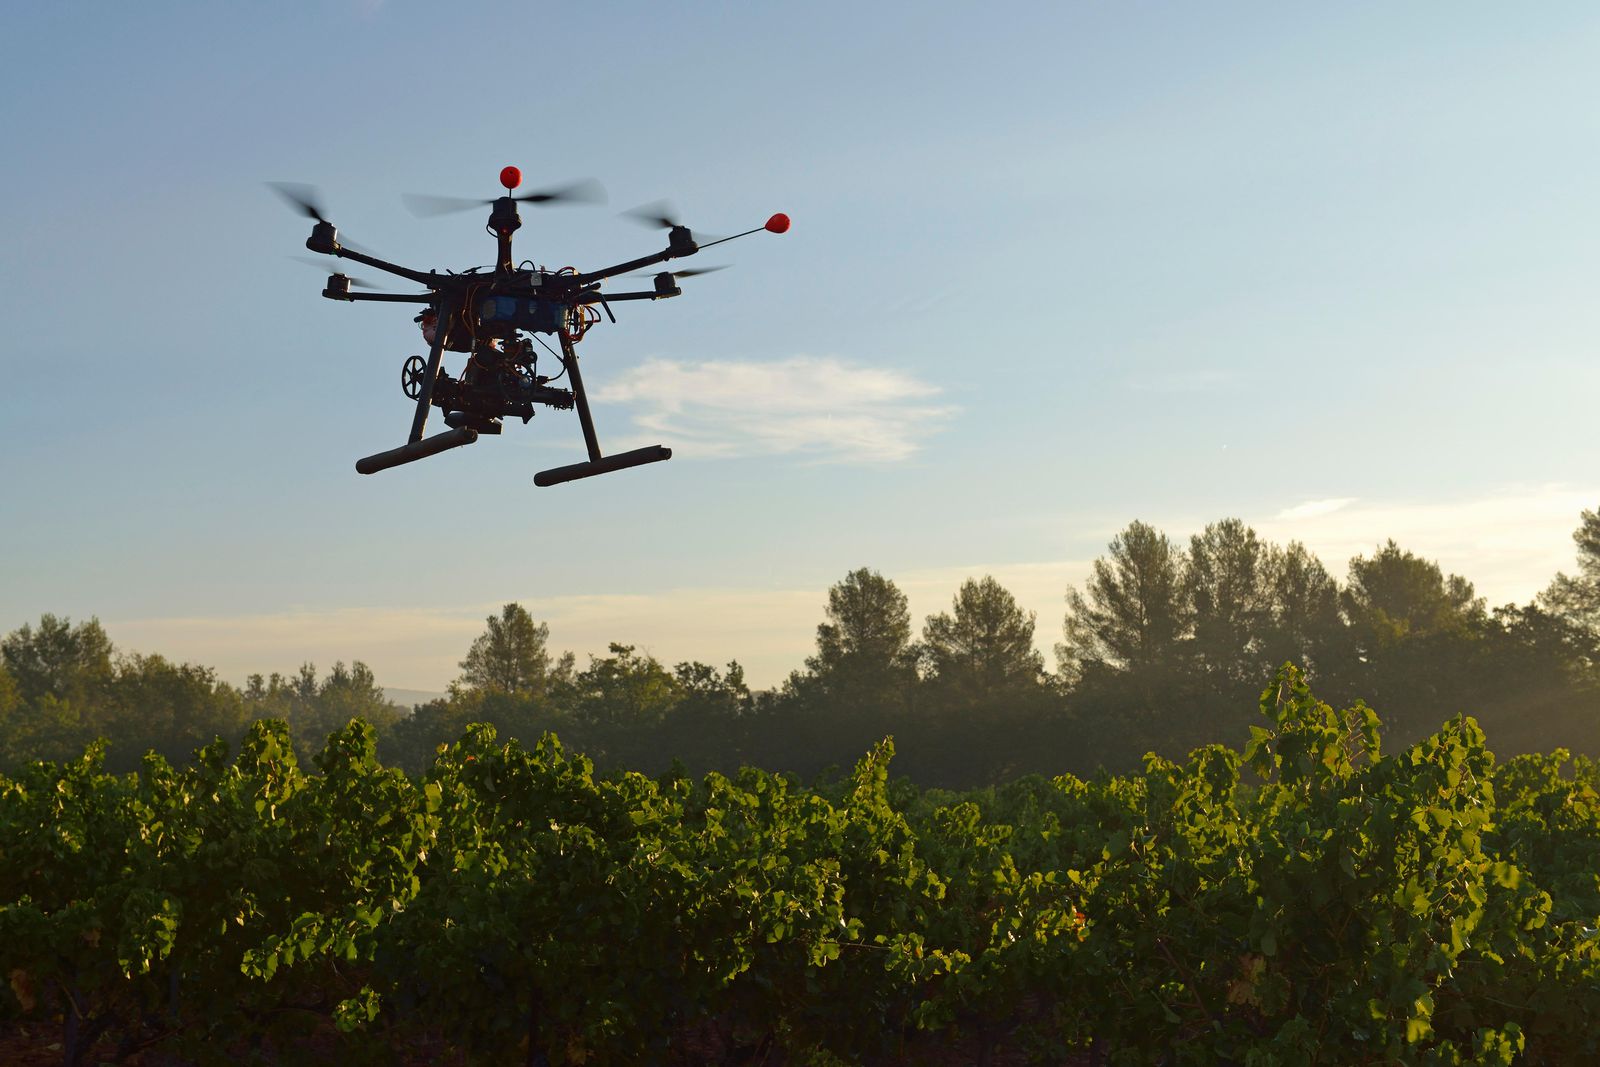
1308,899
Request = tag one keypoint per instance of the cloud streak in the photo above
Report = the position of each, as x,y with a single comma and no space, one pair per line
820,409
1312,509
1509,544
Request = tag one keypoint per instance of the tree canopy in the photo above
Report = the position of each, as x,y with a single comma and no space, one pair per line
1166,647
510,656
1133,615
1577,597
983,646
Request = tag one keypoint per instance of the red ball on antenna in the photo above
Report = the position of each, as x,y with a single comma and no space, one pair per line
778,223
510,177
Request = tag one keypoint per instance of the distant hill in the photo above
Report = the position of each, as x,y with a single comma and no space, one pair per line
410,698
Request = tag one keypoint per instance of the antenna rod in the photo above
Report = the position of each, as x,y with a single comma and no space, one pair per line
778,223
723,240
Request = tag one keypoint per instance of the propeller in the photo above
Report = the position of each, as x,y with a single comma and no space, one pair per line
584,191
328,268
307,201
661,215
690,273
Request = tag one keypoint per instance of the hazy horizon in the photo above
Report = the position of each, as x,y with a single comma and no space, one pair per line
1509,547
1326,269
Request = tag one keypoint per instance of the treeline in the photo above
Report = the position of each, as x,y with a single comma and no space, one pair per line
62,686
1164,649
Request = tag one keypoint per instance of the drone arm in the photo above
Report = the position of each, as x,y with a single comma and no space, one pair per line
418,276
398,298
679,244
623,268
597,298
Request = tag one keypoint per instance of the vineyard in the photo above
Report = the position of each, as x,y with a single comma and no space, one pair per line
1308,899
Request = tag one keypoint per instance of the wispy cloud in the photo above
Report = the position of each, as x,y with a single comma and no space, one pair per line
1312,509
1509,544
823,409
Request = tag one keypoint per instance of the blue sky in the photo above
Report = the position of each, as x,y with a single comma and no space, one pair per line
1054,267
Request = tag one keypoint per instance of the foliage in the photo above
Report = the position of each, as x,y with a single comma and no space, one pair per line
863,649
1134,616
58,659
510,656
315,709
1310,899
1578,596
1165,647
984,648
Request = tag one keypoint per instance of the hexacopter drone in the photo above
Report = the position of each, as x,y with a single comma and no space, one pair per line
495,318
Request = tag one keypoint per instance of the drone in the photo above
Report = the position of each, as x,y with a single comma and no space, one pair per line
496,316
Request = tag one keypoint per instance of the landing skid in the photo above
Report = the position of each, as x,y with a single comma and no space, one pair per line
598,464
415,450
602,465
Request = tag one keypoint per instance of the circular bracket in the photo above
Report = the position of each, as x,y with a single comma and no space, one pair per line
412,376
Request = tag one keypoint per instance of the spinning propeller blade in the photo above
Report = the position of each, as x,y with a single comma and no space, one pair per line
662,215
328,268
423,205
306,199
583,191
690,273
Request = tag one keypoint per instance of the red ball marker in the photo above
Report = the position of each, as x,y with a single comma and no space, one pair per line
511,177
778,223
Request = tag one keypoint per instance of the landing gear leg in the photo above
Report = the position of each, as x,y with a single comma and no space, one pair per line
597,464
447,320
569,356
416,448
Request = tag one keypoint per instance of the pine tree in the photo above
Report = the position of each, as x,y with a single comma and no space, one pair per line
1577,597
984,648
1228,589
1132,615
510,656
863,648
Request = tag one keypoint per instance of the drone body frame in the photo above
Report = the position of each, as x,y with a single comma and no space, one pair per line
486,315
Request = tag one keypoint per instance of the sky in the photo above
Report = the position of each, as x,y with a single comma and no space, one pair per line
1054,267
